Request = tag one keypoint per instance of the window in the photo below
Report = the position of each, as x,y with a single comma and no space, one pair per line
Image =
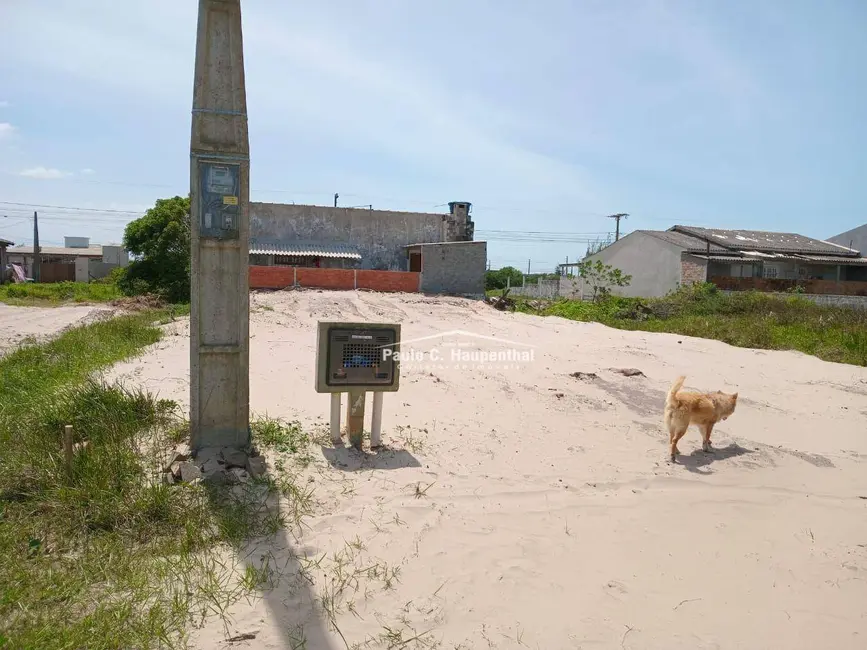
771,272
293,260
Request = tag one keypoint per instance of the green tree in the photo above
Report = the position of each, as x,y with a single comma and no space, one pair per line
601,277
499,278
160,244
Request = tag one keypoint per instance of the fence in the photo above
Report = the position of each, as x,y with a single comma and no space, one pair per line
56,272
281,277
551,288
817,287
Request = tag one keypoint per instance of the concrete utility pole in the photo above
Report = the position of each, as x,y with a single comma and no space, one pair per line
220,233
617,218
36,271
336,196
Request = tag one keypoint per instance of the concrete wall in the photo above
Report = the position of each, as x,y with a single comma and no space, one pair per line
655,265
454,268
855,238
379,235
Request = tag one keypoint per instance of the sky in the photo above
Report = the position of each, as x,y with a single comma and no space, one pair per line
547,116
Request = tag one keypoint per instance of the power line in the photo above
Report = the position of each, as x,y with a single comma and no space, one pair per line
66,207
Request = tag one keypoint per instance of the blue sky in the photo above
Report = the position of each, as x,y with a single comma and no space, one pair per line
547,116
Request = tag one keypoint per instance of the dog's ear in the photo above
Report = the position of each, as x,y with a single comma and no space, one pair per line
735,397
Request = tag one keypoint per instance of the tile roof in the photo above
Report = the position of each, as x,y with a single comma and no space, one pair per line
6,242
90,251
810,259
305,249
758,240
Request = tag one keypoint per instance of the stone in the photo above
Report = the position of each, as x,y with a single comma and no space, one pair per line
175,470
189,472
629,372
167,478
238,475
234,458
256,466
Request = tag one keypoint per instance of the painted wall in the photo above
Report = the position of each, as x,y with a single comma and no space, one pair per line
379,235
454,268
655,265
855,238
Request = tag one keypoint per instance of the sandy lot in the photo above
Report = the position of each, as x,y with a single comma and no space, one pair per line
522,507
17,324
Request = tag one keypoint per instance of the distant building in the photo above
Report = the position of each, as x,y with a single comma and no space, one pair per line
855,238
438,246
77,260
661,261
4,244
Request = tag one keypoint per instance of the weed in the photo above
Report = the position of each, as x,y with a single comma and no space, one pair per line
58,292
745,319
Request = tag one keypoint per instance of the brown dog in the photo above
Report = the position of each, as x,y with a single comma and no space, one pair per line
702,409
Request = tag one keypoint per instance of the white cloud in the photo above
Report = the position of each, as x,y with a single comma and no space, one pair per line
4,104
87,171
45,173
6,129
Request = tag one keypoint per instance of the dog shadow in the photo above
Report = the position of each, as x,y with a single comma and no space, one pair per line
698,460
350,459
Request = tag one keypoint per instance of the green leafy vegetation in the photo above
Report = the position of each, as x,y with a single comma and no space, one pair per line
497,280
160,244
31,293
744,319
103,553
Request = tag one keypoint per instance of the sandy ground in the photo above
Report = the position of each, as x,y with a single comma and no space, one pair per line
522,507
18,324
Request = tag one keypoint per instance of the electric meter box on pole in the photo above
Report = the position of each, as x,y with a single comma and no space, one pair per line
357,356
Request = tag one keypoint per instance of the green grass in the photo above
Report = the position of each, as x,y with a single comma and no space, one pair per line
745,319
33,293
107,556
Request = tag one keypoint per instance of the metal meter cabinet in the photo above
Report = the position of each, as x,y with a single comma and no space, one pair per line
355,358
219,209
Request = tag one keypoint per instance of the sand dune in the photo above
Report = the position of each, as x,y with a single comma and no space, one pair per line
523,507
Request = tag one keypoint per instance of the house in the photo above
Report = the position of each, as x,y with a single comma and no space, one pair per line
77,260
855,238
438,248
4,244
661,261
336,237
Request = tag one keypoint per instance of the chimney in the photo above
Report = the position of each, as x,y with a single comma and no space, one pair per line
461,225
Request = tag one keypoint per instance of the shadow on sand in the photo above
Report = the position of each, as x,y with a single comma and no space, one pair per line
288,595
349,459
698,459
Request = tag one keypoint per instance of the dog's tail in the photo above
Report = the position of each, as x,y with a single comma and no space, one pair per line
672,392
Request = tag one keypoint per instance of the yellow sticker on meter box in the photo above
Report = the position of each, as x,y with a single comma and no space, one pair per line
230,200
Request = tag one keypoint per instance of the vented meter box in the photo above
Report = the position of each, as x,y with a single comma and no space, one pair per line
357,356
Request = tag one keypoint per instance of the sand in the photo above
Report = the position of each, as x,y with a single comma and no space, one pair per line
19,324
525,508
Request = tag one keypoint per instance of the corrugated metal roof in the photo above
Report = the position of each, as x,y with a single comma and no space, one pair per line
691,244
306,249
759,240
807,259
6,242
90,251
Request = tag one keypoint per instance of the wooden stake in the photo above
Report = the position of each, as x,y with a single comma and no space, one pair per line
355,417
67,447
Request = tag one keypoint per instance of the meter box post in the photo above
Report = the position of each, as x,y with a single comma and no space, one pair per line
220,210
357,357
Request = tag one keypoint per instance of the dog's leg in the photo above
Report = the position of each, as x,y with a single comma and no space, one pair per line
705,434
678,434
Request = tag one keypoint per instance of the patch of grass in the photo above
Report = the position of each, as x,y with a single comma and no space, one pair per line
33,293
745,319
105,555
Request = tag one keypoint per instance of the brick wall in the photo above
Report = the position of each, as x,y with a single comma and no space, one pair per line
280,277
692,270
406,281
